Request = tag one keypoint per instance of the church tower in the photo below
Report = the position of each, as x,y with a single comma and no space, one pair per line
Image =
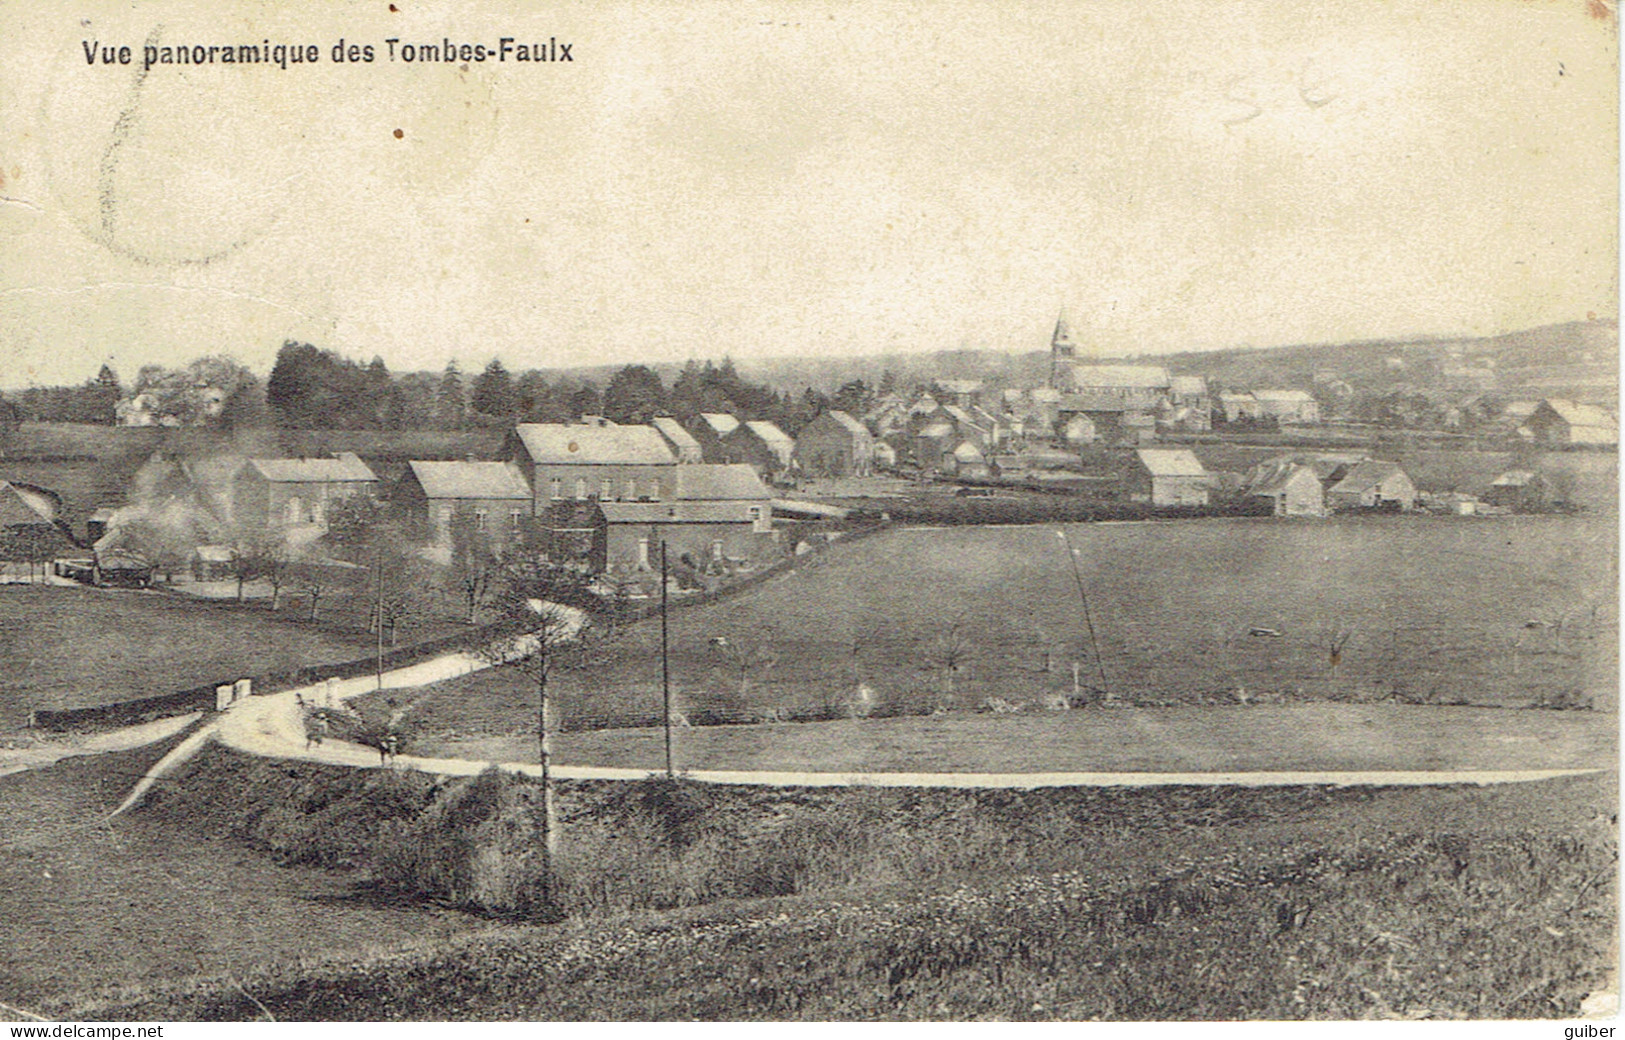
1063,350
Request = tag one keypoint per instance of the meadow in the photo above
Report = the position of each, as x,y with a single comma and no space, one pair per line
74,647
1190,738
1505,612
694,901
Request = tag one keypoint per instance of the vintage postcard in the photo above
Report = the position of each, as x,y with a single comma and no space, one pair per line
807,511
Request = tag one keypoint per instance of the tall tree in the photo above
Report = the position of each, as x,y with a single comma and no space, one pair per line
494,392
635,394
451,410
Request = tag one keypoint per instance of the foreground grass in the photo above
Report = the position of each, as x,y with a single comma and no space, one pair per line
1443,927
696,901
1207,738
1431,610
85,902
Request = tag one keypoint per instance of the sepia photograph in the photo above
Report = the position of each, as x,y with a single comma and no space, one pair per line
809,511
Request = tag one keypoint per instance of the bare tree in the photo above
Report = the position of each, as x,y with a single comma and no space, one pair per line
951,647
473,568
541,620
748,658
265,557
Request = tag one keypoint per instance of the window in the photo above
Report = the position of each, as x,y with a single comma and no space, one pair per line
295,510
515,519
606,489
555,488
479,519
631,490
581,489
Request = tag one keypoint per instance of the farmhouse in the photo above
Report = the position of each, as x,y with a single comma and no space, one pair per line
1239,406
1557,421
934,445
1288,406
1291,488
1519,490
1192,404
762,445
708,429
714,537
493,495
1167,477
599,460
835,445
680,440
291,492
1373,484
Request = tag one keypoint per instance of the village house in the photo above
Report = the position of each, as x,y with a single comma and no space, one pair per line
835,445
681,442
1520,490
599,460
1289,407
969,462
708,428
1190,406
32,515
965,393
1291,488
1372,484
273,493
494,495
760,444
1557,422
1079,430
1167,477
1239,406
1116,420
934,445
887,416
971,427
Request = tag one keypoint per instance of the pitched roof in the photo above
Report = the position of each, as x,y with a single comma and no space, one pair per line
1272,477
21,504
968,452
937,431
497,480
561,443
1364,475
1284,396
846,421
345,467
673,431
963,417
1143,377
721,422
680,512
1170,462
773,437
1515,478
1581,414
710,482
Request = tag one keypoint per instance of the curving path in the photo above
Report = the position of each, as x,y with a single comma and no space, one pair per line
273,726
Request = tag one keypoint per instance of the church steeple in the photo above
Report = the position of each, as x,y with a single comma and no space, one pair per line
1063,350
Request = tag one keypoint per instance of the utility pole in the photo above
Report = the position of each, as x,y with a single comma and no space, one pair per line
665,666
1088,620
378,607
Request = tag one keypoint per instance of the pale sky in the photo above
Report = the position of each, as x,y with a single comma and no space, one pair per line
762,179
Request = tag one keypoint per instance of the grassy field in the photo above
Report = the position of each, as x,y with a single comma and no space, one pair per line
1429,610
1209,738
85,903
717,903
73,647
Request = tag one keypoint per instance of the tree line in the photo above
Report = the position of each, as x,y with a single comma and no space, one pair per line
314,388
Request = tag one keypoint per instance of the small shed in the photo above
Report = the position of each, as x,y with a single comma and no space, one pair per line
1373,484
1520,490
1291,488
1167,477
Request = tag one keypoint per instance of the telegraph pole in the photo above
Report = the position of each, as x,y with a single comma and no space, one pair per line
665,667
378,607
1077,576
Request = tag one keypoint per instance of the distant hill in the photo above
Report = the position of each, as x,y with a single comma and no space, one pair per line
1575,359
